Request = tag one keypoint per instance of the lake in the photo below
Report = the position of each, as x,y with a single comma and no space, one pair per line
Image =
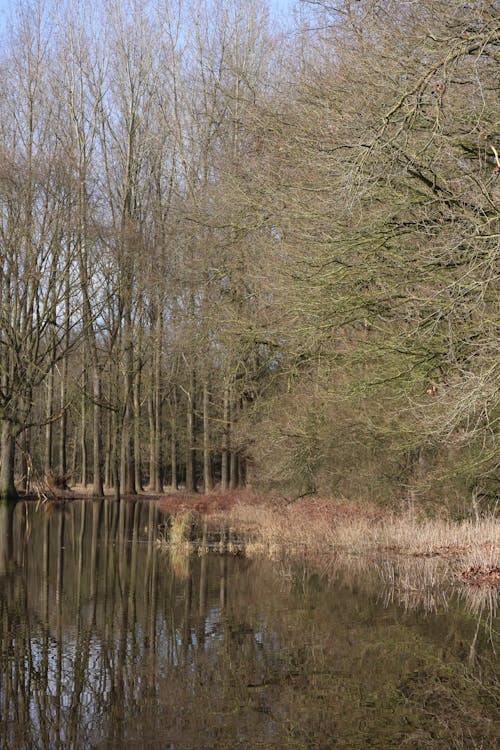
110,640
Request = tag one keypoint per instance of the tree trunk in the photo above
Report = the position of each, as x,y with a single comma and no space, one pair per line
158,483
108,465
233,471
74,458
128,460
83,440
190,478
207,462
224,470
173,444
137,432
117,443
97,487
241,470
26,463
151,424
63,424
49,432
154,413
173,462
233,467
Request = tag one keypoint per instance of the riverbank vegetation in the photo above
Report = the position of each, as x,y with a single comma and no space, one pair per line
321,532
234,253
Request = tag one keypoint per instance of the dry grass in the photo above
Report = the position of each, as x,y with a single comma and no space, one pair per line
180,529
318,529
330,525
177,532
408,534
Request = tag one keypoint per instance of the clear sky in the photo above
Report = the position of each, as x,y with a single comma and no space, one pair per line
279,8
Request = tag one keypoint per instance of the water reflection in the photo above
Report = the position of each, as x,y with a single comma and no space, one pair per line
109,642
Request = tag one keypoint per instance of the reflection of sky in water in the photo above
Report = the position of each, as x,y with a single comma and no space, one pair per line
212,622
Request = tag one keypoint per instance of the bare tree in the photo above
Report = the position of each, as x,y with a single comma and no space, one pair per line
35,186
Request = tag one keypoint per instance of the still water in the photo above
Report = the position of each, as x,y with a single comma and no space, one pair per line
110,641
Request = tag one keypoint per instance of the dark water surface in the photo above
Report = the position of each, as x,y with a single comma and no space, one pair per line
109,641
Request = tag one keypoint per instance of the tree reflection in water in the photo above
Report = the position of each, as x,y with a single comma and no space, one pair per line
109,642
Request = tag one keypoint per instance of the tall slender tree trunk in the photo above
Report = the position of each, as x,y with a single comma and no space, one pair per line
128,459
117,443
63,424
83,428
233,465
151,432
173,443
190,477
26,463
137,431
207,458
233,471
154,414
158,483
123,459
108,462
74,458
241,470
127,453
49,429
97,487
174,485
224,470
91,348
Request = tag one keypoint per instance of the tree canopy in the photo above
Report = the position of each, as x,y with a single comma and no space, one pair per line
233,252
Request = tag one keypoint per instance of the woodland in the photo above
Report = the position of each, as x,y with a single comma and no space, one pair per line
242,252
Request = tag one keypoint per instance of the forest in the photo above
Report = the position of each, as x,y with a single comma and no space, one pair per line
242,252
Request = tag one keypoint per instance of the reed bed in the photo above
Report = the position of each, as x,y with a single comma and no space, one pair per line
319,529
357,531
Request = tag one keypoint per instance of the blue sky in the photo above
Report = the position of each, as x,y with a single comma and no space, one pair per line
280,8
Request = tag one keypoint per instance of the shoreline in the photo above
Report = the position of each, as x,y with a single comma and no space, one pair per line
316,529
